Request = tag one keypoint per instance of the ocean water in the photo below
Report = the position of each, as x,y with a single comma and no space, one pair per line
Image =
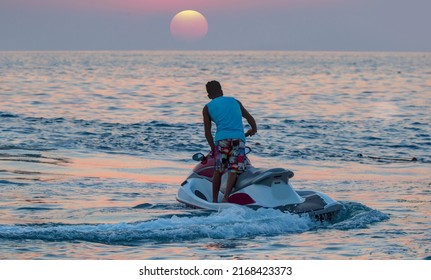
94,146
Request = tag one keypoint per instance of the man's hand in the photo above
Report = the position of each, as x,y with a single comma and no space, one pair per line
250,132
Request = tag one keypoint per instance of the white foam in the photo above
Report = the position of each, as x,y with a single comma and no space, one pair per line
235,222
230,223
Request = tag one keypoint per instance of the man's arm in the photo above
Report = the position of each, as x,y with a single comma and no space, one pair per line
207,126
250,121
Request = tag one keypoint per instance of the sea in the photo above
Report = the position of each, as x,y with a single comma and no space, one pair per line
95,145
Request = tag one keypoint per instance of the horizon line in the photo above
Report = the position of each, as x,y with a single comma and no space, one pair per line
216,50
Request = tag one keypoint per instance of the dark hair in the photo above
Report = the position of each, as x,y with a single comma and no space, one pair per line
213,86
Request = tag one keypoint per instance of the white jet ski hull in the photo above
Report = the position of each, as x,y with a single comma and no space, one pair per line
197,193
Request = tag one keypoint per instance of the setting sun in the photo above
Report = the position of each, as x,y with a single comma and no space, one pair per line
189,25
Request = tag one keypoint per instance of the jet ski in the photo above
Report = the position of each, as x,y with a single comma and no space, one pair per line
254,188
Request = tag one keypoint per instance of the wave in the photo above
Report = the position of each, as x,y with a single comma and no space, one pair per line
355,215
323,140
232,223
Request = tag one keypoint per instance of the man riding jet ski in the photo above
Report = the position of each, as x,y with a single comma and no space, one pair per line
209,184
255,188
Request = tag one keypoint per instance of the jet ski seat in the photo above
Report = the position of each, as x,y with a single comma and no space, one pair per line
262,176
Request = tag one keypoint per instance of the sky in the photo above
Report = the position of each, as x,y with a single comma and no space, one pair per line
308,25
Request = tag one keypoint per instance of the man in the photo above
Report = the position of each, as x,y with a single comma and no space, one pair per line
228,146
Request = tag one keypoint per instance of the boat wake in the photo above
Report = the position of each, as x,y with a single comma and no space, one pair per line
232,223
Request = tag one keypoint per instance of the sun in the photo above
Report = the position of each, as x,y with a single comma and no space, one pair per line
189,25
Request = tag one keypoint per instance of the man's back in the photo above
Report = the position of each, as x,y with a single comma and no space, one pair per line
226,113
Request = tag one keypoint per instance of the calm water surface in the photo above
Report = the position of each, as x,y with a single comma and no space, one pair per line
94,145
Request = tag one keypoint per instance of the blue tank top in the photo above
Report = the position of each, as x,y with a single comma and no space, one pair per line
226,113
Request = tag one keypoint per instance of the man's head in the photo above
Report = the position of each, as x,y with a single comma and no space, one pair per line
214,89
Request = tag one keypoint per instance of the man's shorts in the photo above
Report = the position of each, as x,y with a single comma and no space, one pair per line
230,154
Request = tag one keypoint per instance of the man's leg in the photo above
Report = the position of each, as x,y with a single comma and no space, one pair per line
236,164
216,185
220,156
231,180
